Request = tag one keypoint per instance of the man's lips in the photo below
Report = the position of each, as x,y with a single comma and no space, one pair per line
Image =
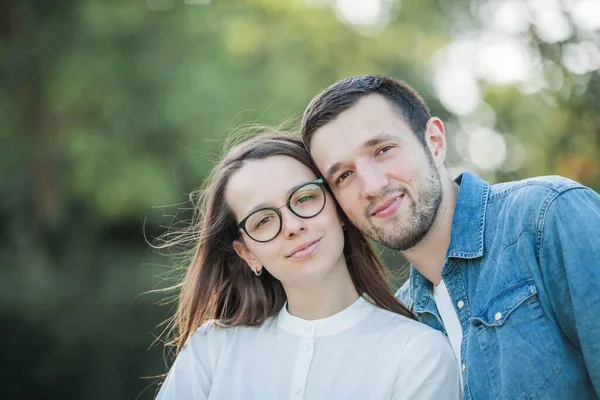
388,207
304,250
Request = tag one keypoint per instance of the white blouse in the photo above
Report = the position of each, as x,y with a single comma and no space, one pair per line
362,352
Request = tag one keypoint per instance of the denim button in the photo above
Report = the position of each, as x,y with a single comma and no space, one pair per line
498,316
460,304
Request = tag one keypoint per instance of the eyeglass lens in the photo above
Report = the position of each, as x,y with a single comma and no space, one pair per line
307,201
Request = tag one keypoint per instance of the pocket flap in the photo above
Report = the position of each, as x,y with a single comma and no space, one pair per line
504,303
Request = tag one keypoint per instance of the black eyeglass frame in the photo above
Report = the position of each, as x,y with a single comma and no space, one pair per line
319,182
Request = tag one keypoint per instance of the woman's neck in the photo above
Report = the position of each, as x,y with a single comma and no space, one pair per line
332,294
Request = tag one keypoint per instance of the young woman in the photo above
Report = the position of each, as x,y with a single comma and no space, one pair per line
285,299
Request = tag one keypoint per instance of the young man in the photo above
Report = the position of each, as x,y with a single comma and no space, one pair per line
510,272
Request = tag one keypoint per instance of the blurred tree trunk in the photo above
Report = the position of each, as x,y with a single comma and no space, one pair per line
33,34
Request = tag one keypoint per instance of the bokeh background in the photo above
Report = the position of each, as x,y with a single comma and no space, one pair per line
112,111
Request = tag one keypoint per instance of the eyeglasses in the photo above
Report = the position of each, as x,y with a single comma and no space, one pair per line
306,201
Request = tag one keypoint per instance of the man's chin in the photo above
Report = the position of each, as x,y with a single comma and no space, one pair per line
383,235
388,225
388,236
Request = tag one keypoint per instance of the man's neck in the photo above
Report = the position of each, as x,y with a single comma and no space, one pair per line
429,255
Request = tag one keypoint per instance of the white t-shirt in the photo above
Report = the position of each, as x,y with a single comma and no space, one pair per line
362,352
449,317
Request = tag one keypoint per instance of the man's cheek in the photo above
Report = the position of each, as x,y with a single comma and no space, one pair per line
353,210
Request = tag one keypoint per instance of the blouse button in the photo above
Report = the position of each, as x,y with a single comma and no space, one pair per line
297,391
307,346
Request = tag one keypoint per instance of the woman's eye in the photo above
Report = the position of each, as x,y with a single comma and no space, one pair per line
304,199
263,221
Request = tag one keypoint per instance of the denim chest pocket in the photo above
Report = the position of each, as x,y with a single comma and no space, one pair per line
517,343
505,303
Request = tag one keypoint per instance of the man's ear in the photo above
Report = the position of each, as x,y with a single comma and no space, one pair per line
245,254
435,137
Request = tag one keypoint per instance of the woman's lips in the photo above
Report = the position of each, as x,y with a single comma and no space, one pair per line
305,251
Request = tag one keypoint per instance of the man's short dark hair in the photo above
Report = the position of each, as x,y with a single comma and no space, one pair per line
340,96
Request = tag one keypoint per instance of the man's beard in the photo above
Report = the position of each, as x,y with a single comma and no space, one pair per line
403,234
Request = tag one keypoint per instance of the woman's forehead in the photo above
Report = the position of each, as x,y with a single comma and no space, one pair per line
265,181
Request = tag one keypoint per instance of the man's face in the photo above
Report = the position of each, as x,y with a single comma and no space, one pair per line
383,178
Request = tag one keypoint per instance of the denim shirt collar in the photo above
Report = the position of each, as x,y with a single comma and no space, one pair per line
466,238
468,222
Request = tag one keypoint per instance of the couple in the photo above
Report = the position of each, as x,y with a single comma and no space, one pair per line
285,297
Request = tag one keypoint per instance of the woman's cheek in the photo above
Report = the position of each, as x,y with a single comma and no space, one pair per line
330,220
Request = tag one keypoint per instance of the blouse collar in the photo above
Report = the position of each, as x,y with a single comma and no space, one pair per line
336,323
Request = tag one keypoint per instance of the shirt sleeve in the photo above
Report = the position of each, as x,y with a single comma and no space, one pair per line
191,375
570,261
429,369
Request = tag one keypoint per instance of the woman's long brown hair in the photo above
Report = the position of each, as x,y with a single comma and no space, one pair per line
219,286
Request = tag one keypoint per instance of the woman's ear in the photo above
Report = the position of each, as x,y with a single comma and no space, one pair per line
245,254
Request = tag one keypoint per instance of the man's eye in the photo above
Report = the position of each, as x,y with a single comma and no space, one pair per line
342,177
385,149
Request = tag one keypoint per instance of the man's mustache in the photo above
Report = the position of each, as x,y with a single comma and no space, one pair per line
385,194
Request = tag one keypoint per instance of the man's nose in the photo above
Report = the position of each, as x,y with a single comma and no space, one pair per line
371,180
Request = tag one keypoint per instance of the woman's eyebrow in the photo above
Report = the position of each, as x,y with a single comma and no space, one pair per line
287,195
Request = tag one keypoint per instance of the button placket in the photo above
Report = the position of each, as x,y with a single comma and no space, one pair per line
303,360
457,291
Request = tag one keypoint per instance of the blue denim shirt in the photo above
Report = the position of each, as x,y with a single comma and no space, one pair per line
524,258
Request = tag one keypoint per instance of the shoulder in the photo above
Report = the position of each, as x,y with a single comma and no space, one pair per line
207,339
532,198
572,214
212,335
415,344
407,331
539,187
522,205
210,330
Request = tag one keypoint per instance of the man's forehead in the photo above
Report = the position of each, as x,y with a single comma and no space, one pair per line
351,129
331,144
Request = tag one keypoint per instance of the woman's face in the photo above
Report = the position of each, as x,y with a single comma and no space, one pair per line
305,249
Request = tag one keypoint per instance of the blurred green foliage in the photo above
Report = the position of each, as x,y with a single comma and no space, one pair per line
112,111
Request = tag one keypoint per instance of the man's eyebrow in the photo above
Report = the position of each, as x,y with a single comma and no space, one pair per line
377,139
332,170
374,141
